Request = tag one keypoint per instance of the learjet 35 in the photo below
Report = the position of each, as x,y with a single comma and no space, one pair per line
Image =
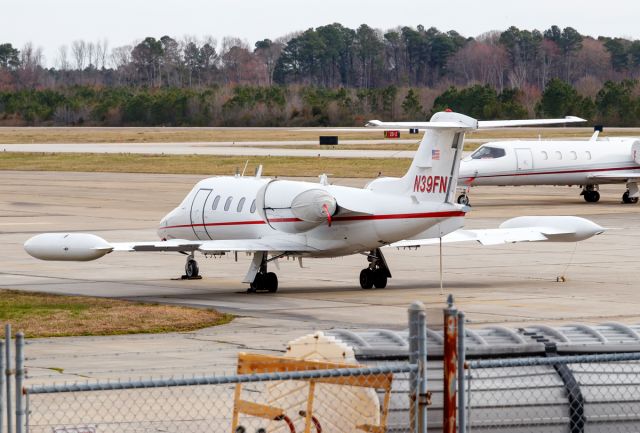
587,163
274,218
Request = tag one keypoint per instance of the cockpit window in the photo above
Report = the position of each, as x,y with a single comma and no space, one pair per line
486,152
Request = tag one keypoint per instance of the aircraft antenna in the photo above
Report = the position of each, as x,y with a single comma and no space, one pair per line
245,167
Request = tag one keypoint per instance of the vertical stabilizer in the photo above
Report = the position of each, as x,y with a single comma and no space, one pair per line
433,174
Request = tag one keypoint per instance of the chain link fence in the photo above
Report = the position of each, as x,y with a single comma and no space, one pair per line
274,394
594,393
336,400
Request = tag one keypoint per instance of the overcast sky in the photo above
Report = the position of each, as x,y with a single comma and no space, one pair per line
49,23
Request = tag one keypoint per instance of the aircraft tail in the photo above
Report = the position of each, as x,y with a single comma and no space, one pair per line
433,174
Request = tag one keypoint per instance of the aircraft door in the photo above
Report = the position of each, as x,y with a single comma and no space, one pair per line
524,159
197,214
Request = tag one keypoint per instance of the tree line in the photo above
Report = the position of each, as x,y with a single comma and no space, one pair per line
326,75
615,104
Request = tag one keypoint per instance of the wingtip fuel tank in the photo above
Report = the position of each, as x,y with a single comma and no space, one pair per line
80,247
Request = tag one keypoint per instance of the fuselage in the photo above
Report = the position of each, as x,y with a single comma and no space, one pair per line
228,208
550,162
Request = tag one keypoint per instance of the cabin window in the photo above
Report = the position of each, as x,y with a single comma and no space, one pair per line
241,204
557,154
227,204
587,154
573,155
216,200
253,207
487,152
545,155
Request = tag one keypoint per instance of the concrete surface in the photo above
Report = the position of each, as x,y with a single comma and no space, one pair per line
228,149
509,285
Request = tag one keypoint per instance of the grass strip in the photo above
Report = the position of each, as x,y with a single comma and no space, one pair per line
202,164
49,315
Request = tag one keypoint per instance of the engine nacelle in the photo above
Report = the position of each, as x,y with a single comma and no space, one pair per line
78,247
294,207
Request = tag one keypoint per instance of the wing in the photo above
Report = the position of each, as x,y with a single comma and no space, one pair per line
628,176
85,246
217,246
484,237
521,229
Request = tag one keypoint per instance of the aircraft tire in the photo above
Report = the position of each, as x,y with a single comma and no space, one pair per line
258,283
628,200
271,282
379,280
463,199
591,196
366,278
191,269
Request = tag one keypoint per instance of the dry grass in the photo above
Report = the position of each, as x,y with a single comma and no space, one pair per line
47,315
202,164
10,135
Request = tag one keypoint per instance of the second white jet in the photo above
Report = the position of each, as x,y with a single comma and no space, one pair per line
587,163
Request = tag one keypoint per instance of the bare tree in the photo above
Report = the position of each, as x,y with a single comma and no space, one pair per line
31,60
102,47
120,60
79,51
62,61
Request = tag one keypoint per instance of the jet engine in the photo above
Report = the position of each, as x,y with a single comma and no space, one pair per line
67,247
295,207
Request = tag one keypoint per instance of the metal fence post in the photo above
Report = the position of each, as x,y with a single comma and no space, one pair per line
19,382
462,418
450,360
8,372
415,309
422,372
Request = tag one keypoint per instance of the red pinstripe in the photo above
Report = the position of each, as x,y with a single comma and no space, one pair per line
447,214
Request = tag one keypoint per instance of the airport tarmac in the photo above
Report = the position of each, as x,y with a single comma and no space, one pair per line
223,149
509,285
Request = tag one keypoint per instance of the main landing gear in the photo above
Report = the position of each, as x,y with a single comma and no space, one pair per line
377,273
590,193
263,280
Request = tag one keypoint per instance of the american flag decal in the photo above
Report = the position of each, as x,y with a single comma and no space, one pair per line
435,154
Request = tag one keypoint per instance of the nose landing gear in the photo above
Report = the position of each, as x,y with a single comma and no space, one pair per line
191,269
463,199
377,273
627,199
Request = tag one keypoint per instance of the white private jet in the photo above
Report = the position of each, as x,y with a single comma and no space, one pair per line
274,218
587,163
